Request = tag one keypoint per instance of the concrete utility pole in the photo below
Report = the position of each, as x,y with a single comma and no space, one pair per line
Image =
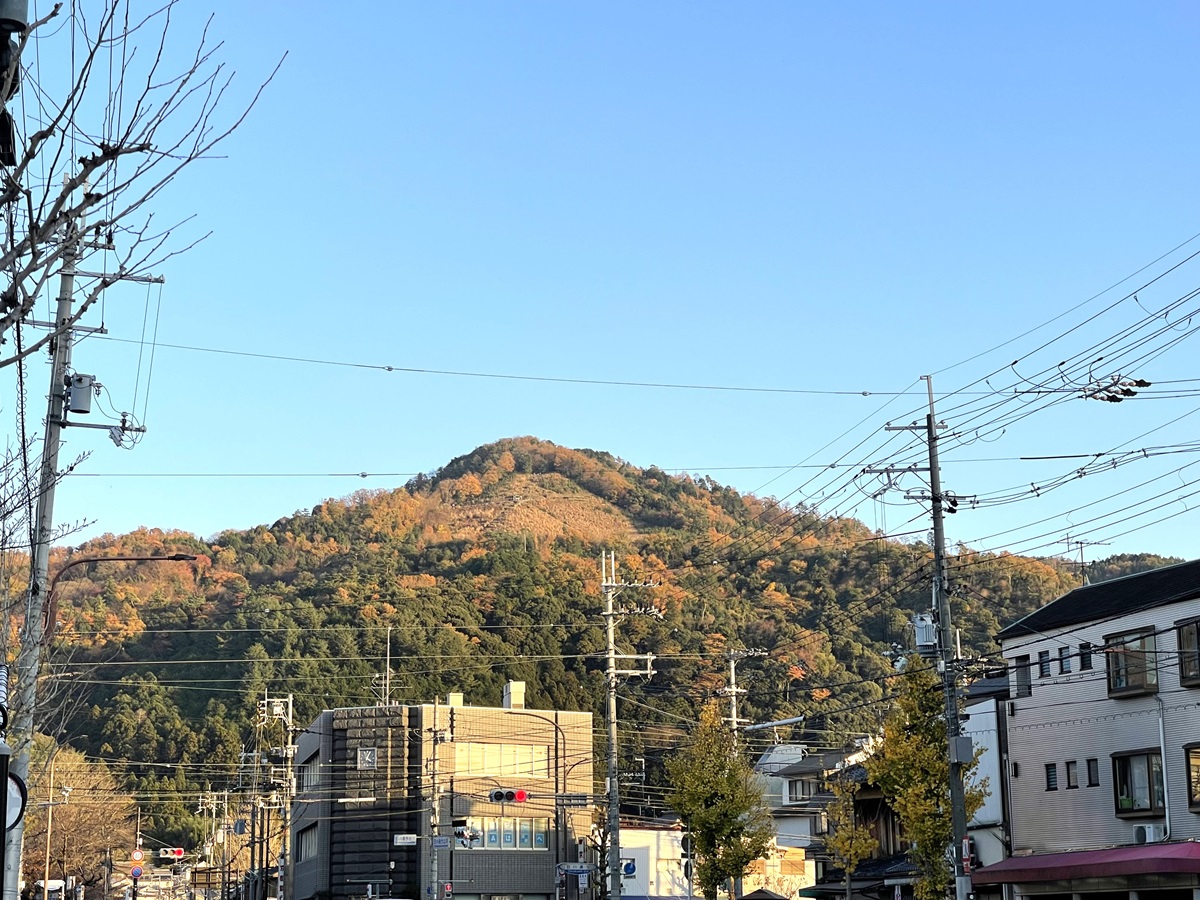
610,587
954,741
69,393
280,709
435,736
29,652
958,746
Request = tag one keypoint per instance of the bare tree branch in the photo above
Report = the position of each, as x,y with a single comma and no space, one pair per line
150,134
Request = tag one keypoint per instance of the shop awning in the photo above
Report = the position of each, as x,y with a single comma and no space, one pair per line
1145,859
817,892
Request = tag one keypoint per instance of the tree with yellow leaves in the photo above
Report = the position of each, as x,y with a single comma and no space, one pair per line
912,769
850,840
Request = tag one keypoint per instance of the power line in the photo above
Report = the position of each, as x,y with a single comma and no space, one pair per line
552,379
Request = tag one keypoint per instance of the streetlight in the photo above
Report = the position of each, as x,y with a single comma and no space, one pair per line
51,591
50,804
561,775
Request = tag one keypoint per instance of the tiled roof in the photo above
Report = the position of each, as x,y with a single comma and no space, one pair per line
815,764
1144,590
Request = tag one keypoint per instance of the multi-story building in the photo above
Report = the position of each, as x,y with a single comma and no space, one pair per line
794,786
441,799
798,795
1103,764
985,723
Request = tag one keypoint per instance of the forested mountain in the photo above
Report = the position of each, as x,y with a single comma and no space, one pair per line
485,571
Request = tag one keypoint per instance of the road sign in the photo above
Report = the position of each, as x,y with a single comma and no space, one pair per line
404,840
137,855
573,799
441,842
135,872
576,868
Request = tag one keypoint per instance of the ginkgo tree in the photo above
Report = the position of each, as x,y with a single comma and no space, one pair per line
719,798
912,768
849,840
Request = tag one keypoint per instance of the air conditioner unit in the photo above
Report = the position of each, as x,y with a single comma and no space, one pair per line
1148,834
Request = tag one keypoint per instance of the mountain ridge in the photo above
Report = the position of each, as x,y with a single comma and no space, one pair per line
486,570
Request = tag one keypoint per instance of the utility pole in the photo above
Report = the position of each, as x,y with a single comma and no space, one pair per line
69,393
610,587
29,652
270,709
435,736
958,746
734,657
1083,574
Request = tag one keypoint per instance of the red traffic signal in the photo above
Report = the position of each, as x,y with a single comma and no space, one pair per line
170,853
447,890
509,795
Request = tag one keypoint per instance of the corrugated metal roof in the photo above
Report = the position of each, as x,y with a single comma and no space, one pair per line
1144,590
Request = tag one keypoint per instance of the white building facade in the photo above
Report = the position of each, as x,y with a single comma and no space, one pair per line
1103,741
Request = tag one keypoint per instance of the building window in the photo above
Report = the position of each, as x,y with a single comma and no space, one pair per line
820,824
501,760
1064,660
368,759
1072,774
1043,664
1021,680
1189,652
308,774
1093,770
1192,754
1138,783
1085,657
306,844
1130,662
799,790
504,833
1052,776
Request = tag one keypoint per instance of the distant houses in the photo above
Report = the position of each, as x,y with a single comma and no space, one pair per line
1090,745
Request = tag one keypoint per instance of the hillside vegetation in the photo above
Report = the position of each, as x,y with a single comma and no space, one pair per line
488,570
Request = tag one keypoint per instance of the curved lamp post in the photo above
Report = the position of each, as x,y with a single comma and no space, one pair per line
51,620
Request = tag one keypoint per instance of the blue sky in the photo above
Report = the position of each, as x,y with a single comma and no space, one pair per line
834,198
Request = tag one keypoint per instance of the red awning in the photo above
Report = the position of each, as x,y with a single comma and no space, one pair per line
1145,859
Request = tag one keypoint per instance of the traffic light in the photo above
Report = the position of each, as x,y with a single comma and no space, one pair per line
509,795
170,853
447,891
